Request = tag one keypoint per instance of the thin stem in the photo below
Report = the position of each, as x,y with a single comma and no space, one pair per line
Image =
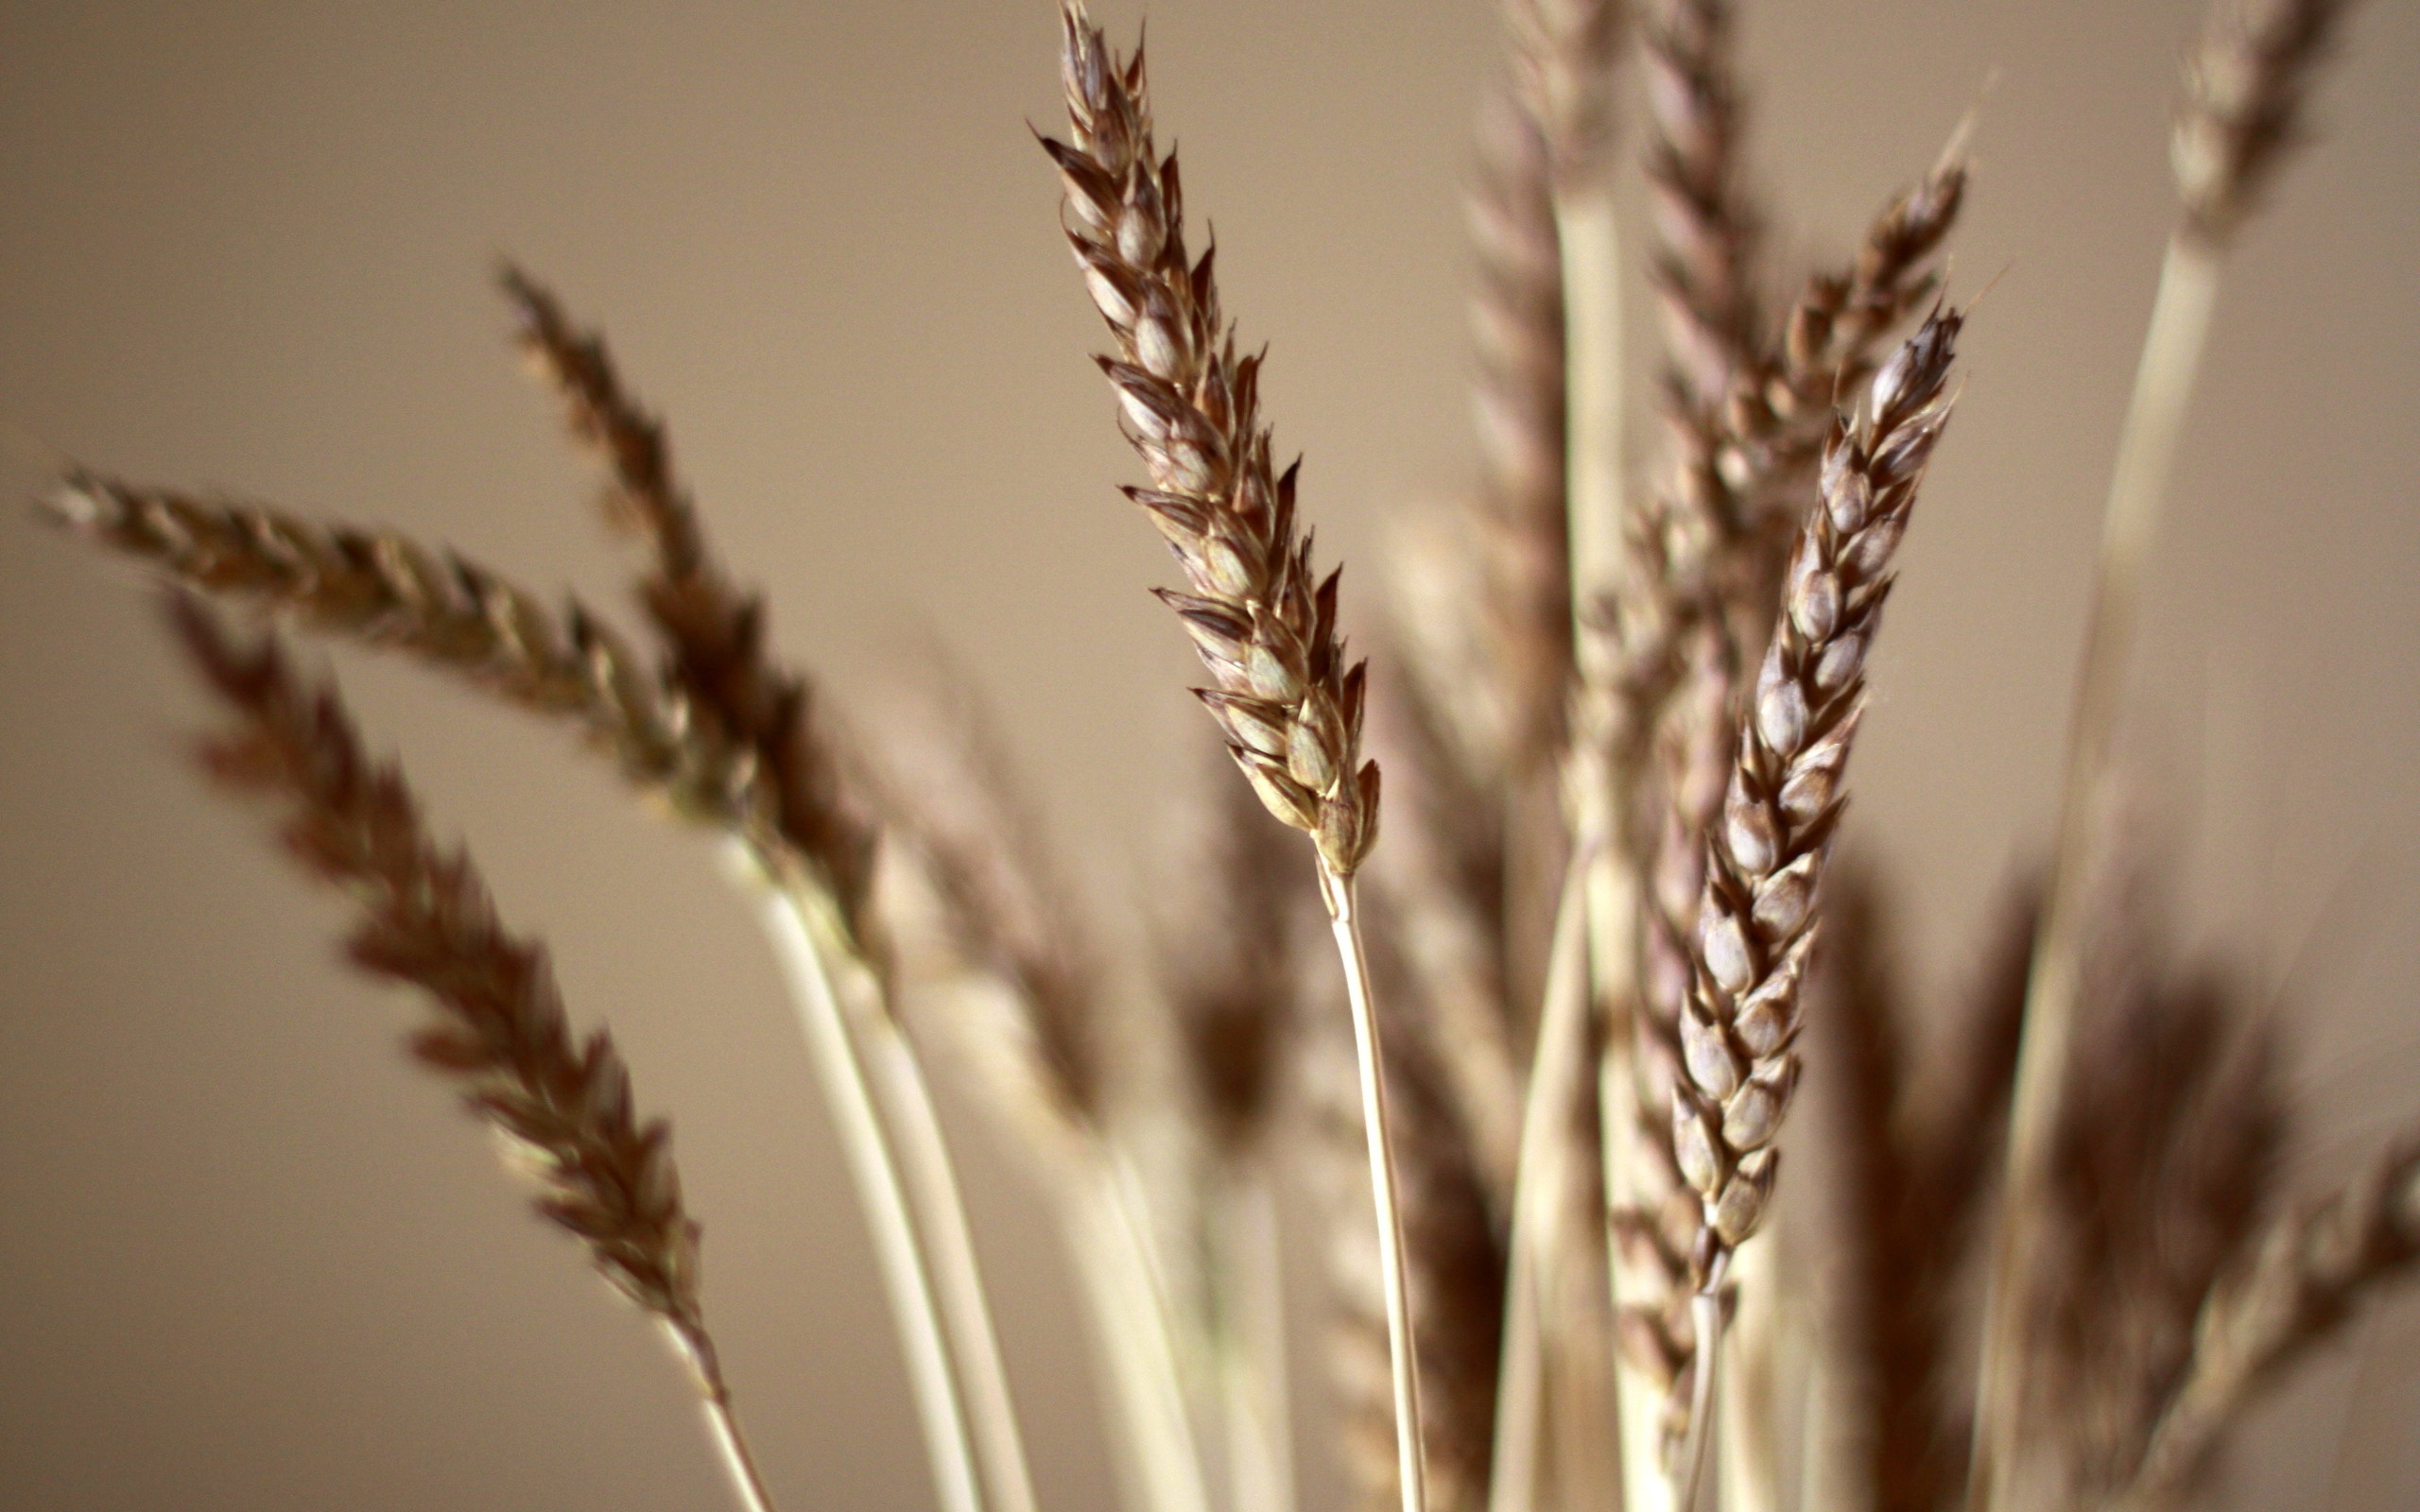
847,1087
2146,452
746,1482
1250,1275
1131,1321
907,1101
1589,236
1540,1188
1411,1467
1747,1407
1705,1313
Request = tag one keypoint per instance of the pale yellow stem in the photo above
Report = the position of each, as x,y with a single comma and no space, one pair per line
2145,453
1250,1275
1133,1328
1411,1464
1540,1186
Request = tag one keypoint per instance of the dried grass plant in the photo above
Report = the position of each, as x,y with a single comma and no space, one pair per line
1541,1090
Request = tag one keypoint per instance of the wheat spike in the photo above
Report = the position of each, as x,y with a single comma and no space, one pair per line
1265,626
1756,918
2309,1274
714,633
2246,92
501,1036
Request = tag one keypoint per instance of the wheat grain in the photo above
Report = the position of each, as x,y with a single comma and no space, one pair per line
1757,917
501,1036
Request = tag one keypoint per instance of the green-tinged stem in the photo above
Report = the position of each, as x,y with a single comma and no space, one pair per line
2146,453
1133,1328
1540,1186
793,925
1412,1461
1248,1273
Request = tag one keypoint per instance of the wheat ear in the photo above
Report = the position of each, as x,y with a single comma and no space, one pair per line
2244,104
2310,1274
820,921
1757,917
1264,626
501,1036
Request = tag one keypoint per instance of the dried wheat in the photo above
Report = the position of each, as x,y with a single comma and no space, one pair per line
1756,918
2309,1274
501,1037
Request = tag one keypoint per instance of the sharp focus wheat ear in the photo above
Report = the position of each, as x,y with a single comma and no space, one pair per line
1756,920
501,1037
2310,1274
1264,624
1265,628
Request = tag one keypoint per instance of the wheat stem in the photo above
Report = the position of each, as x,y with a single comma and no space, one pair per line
1122,1284
1410,1459
1540,1186
1249,1272
746,1482
2146,453
791,923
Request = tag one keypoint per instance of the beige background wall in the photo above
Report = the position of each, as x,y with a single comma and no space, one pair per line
247,1260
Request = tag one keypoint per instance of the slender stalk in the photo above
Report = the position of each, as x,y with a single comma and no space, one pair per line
746,1482
1706,1311
1410,1459
2145,453
1587,231
1747,1406
1540,1186
848,1086
1248,1273
1129,1315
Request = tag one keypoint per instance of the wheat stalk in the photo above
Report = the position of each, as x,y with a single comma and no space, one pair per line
2243,102
993,943
1757,917
2309,1274
713,634
1265,628
501,1036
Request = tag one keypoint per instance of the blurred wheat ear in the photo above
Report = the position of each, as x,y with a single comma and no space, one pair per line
501,1036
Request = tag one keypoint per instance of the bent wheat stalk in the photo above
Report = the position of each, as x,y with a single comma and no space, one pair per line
385,590
2244,98
1264,626
501,1036
714,638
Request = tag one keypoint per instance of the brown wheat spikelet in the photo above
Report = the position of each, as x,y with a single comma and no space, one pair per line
2244,94
387,590
501,1037
1756,920
1263,623
713,632
1706,231
1830,340
988,909
2309,1274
